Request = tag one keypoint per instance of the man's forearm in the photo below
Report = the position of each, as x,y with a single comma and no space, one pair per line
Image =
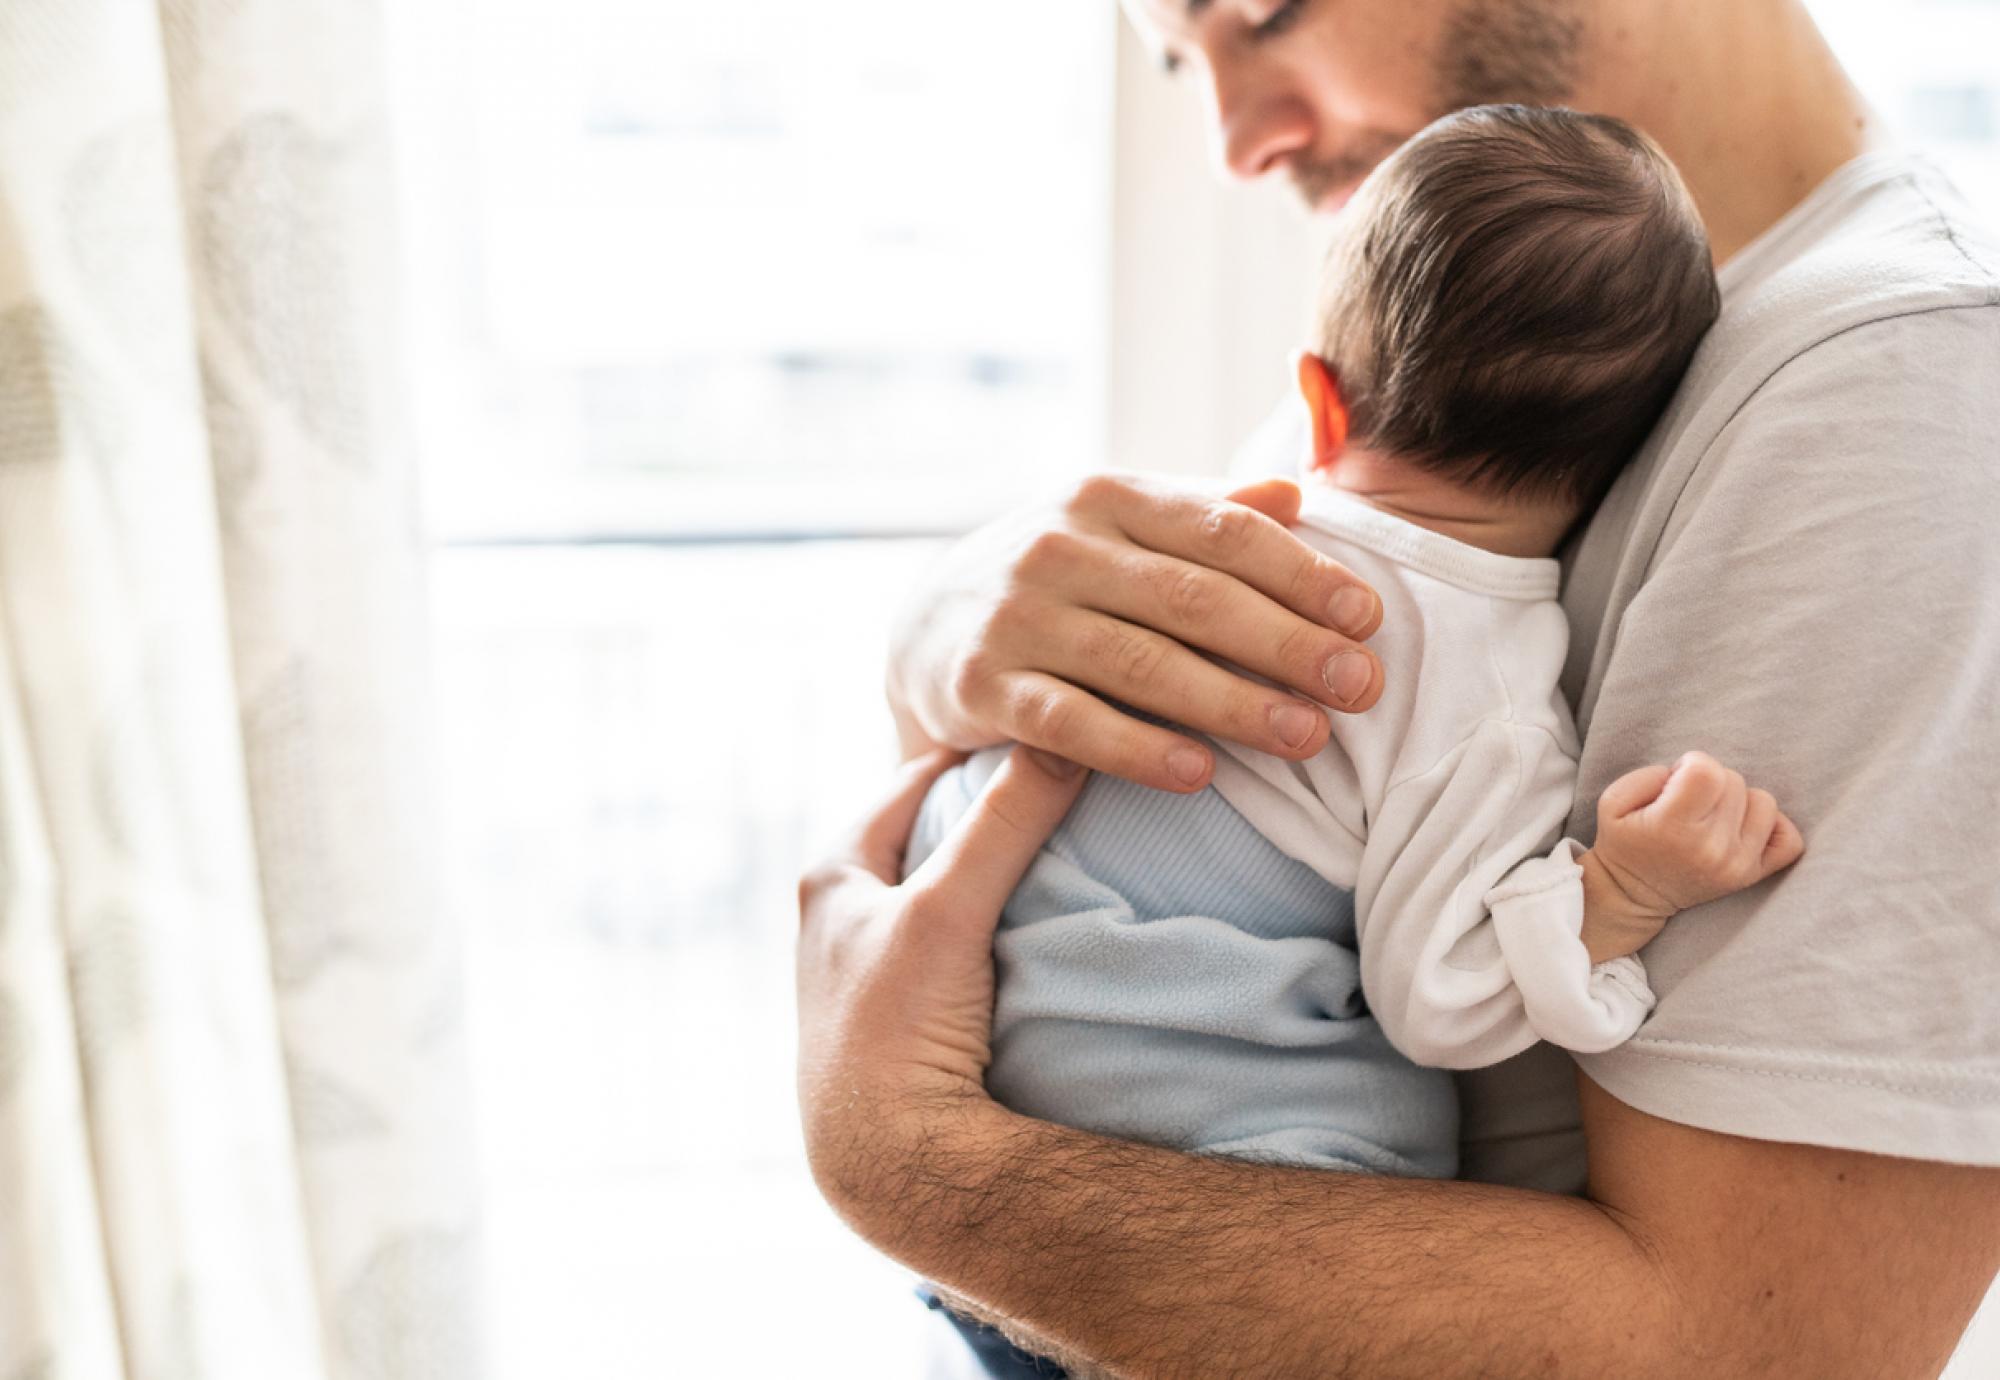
1153,1263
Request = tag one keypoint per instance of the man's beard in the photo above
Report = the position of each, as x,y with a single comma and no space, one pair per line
1519,52
1318,179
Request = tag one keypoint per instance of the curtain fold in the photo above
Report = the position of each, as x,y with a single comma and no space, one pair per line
233,1127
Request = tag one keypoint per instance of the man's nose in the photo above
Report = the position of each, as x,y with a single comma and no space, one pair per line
1259,125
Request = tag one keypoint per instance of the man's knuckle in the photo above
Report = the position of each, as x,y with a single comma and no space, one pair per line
1046,716
1132,658
1018,622
1049,552
1096,493
1224,529
971,672
1192,595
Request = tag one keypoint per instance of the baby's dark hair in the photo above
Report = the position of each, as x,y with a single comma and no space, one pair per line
1513,297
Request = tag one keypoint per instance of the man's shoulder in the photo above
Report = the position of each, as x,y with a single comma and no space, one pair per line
1876,341
1876,313
1850,378
1899,245
1901,254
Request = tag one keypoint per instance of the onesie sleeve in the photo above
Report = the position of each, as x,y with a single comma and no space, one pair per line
1469,911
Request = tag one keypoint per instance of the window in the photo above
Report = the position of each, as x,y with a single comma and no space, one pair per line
1933,70
771,267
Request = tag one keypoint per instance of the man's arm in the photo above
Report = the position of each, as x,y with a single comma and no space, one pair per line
1695,1254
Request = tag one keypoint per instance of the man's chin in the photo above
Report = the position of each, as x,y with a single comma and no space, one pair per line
1335,201
1331,201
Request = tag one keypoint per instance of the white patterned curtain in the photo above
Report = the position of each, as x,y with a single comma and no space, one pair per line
232,1118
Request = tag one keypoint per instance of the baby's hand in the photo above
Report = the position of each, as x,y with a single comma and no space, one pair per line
1673,837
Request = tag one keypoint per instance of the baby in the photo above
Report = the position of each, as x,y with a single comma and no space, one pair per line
1281,966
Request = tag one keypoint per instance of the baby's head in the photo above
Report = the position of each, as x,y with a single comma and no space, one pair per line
1510,301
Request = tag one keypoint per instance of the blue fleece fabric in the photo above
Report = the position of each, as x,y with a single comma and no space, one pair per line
1167,975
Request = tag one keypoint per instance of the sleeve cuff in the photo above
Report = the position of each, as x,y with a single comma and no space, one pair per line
1537,912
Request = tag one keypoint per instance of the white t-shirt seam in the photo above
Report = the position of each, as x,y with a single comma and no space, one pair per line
1951,235
1667,1045
1955,1092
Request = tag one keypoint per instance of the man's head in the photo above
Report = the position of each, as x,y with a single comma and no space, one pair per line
1510,302
1323,90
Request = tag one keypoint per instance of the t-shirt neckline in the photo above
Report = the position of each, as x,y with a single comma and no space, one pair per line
1858,174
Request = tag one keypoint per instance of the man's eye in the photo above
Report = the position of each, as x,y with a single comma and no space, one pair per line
1279,20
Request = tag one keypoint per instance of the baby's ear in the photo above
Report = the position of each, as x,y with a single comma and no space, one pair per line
1321,390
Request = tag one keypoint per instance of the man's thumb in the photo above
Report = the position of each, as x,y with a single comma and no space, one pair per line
988,851
1276,499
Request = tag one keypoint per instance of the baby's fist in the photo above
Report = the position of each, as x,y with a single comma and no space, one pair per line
1674,837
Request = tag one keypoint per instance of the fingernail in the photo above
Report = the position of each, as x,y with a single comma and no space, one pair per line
1061,768
1293,723
1348,675
1353,608
1187,765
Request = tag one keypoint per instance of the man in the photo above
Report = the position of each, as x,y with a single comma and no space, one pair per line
1795,1168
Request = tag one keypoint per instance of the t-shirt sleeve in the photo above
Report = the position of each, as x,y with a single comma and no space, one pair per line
1823,614
1469,924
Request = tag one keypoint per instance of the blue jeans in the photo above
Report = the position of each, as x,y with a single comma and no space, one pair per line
1000,1356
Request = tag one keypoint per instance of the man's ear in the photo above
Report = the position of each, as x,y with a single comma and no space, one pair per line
1329,413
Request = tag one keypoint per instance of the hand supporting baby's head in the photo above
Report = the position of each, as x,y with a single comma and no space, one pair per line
1509,304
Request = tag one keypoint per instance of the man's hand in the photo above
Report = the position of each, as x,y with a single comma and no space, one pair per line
896,980
1673,837
1032,622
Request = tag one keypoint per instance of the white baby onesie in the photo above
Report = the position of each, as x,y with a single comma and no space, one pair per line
1442,807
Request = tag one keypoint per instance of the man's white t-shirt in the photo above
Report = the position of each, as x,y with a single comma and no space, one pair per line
1800,574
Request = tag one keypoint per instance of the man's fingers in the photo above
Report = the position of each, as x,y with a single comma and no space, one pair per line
1046,712
1137,666
1244,543
884,835
1219,613
1634,790
990,848
1276,499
